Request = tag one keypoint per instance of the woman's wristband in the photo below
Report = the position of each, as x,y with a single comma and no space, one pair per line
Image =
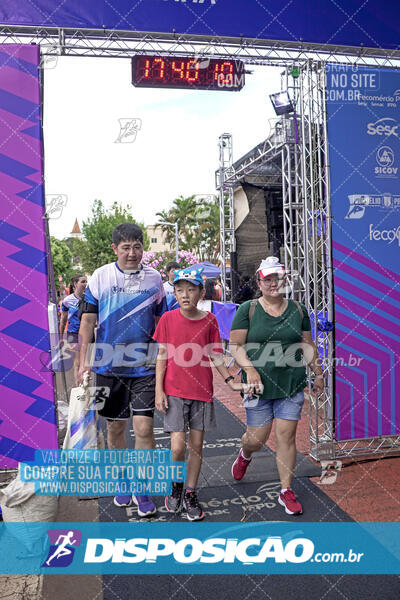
230,378
321,376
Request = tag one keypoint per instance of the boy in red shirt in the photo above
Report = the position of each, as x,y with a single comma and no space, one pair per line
188,338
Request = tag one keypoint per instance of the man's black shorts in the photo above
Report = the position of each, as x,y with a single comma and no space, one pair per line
128,396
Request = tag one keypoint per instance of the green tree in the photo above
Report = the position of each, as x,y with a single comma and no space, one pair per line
97,231
61,257
183,212
78,248
208,231
198,225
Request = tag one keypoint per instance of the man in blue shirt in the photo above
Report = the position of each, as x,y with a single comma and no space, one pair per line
125,299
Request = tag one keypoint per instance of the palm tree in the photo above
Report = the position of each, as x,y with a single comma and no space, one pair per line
183,213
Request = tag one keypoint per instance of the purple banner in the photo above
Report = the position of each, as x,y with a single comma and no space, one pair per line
27,410
364,144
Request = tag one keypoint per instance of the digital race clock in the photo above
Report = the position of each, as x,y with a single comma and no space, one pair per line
187,72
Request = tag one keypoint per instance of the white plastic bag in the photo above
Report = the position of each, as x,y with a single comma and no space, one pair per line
83,429
20,504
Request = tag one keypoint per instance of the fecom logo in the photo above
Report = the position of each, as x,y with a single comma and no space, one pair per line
385,126
62,546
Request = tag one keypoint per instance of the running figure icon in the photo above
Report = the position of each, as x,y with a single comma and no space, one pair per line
62,549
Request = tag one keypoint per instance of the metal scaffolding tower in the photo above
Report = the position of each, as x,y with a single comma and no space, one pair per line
301,140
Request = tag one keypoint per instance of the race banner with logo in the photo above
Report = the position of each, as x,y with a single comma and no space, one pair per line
252,548
363,107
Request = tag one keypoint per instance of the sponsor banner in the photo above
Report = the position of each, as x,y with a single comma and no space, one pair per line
363,107
104,472
200,548
324,22
27,409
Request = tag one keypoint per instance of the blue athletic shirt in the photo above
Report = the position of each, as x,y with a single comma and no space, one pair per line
70,305
172,302
127,304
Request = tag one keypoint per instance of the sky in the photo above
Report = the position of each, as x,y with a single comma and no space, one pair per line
176,148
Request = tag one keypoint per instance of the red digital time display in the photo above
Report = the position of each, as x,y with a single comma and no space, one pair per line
187,73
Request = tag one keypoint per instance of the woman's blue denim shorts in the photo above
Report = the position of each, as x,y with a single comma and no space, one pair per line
260,412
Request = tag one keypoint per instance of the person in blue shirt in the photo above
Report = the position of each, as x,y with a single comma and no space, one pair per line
125,299
172,302
69,312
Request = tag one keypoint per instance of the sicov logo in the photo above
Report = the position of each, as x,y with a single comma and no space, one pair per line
385,126
385,156
385,160
62,547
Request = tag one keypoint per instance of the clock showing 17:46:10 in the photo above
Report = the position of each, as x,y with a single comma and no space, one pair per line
187,73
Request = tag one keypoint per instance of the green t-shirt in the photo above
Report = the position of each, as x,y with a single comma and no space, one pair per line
273,346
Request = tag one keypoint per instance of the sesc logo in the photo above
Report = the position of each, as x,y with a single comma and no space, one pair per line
385,126
190,550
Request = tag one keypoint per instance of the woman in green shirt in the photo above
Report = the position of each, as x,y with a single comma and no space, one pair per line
270,339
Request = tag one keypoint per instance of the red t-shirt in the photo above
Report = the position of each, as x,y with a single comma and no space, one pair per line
189,343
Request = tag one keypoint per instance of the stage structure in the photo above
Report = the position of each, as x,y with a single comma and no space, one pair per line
301,140
215,29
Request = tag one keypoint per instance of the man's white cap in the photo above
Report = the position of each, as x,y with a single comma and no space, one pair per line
270,266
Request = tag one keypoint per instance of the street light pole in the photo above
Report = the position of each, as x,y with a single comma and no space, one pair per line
176,241
176,236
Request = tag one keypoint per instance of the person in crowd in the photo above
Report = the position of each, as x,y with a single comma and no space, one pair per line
168,285
207,295
184,383
69,313
245,291
278,332
126,299
218,288
211,292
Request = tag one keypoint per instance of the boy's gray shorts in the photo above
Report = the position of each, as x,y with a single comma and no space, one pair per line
184,414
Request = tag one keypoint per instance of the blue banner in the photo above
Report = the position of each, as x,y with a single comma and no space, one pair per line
363,107
372,24
200,548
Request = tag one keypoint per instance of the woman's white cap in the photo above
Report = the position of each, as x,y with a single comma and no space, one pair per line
270,266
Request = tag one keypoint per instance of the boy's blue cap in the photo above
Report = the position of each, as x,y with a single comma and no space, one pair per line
189,274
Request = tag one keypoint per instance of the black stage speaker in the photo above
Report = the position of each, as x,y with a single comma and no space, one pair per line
274,214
